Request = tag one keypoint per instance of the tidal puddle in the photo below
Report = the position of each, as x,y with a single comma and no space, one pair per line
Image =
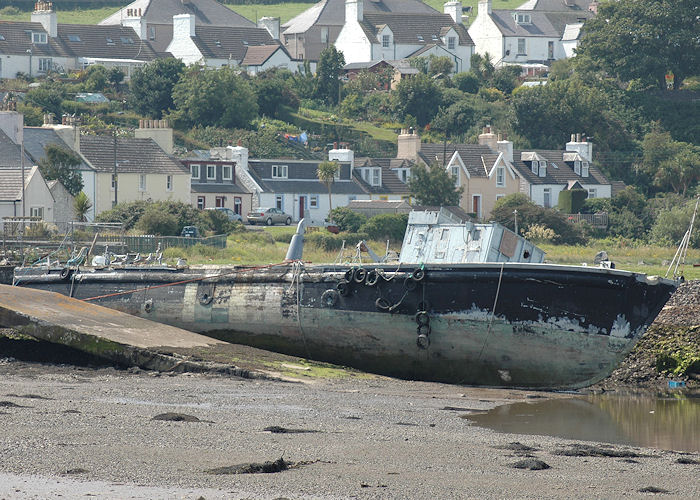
667,421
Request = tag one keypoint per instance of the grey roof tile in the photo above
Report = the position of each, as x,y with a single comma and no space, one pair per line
141,156
11,183
162,12
223,42
473,155
37,138
407,28
558,170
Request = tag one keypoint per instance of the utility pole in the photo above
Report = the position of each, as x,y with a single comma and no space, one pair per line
21,162
114,135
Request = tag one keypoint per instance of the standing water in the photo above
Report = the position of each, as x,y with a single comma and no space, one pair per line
664,421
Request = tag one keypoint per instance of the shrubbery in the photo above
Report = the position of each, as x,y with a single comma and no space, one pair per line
347,220
386,226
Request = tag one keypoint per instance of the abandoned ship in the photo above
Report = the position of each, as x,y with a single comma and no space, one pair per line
465,303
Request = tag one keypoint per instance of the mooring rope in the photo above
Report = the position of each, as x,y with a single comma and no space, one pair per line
493,312
297,271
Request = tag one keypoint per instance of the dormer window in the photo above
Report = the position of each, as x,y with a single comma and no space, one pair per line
577,167
522,18
535,167
385,41
543,169
39,38
279,171
584,169
126,40
435,38
451,42
376,176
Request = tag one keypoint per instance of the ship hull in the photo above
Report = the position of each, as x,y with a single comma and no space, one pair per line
507,325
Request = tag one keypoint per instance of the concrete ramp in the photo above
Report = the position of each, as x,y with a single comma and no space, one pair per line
103,332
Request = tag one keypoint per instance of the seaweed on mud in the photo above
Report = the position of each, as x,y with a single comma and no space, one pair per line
77,470
10,404
176,417
28,396
517,447
653,489
587,450
276,429
530,464
687,461
278,465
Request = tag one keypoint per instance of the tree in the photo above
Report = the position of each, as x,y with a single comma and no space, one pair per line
419,97
645,39
81,206
330,67
218,97
440,65
152,86
49,97
326,173
59,164
434,186
674,165
273,93
467,82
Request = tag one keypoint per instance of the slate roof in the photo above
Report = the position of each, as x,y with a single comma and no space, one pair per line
409,29
391,184
162,12
37,138
140,156
219,42
478,159
332,13
257,55
75,40
543,24
198,187
302,177
556,5
10,152
558,171
11,183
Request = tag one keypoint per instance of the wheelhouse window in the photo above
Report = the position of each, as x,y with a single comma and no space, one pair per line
279,171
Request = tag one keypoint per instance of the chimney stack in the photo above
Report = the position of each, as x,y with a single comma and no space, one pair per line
159,131
488,138
408,144
454,9
44,14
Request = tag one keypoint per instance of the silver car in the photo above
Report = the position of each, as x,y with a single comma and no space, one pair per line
268,216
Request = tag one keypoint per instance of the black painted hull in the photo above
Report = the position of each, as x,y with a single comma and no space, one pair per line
515,325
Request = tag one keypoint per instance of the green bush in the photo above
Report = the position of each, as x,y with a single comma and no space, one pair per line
157,220
571,201
347,219
386,226
467,82
218,222
124,213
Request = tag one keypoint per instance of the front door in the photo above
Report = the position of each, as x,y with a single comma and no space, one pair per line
302,204
237,204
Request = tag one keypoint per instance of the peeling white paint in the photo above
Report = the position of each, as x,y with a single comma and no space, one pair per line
621,327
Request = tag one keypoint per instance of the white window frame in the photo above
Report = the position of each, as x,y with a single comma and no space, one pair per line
211,168
500,176
585,169
454,172
547,197
280,171
36,212
168,182
39,38
227,172
376,176
451,42
386,40
324,34
201,202
45,64
313,201
592,193
535,167
543,169
577,167
142,182
279,202
522,47
195,167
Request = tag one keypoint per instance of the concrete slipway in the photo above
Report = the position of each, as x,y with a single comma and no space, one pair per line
105,333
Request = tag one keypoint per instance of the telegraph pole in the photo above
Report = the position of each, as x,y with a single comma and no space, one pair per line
114,135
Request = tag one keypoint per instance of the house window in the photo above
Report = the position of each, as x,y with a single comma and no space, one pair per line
476,205
238,205
385,41
454,171
168,182
201,203
152,33
194,170
313,201
499,196
279,202
543,169
500,177
522,49
36,212
142,182
584,169
324,34
376,176
550,50
73,38
211,172
451,42
592,193
45,64
220,201
522,18
535,167
39,38
577,167
226,172
114,182
547,197
279,171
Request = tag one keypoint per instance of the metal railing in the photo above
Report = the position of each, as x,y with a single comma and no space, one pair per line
595,220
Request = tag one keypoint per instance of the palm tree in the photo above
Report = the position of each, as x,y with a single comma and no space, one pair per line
81,206
326,174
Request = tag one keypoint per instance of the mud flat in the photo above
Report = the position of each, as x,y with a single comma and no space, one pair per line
75,431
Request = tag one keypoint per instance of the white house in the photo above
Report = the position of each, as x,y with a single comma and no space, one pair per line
530,38
375,36
217,46
38,200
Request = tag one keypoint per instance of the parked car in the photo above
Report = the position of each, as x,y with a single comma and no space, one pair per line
232,216
190,232
268,216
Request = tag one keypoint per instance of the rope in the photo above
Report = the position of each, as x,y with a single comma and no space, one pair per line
493,312
201,278
298,269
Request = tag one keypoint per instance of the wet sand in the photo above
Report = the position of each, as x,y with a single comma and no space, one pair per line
76,432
